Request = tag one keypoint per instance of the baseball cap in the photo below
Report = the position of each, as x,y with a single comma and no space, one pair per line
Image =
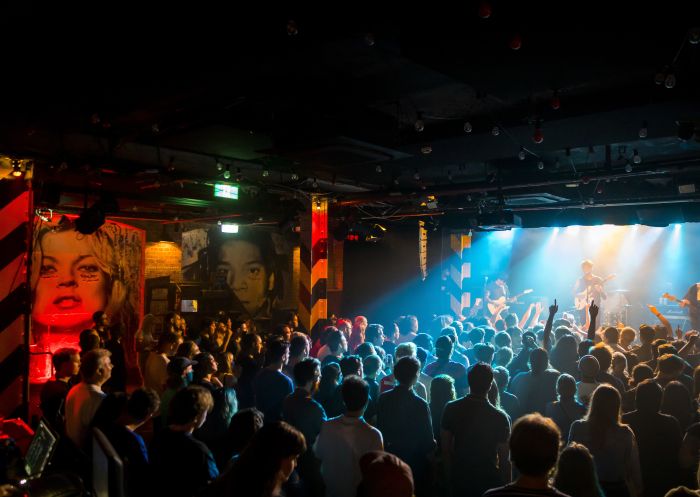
177,365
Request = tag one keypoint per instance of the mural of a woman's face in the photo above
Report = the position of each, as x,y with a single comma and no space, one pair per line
246,274
71,286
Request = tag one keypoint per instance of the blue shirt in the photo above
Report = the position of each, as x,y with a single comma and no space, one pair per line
304,413
271,387
182,465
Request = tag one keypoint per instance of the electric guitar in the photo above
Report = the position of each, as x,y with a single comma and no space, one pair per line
496,304
672,298
584,297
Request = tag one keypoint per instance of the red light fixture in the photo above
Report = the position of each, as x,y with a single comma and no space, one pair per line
555,101
516,42
538,136
485,10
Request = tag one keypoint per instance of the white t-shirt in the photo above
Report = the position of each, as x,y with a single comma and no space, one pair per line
82,402
340,445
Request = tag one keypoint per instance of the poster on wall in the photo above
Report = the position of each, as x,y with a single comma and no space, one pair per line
75,275
250,271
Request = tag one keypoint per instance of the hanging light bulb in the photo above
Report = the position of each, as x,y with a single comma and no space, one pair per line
294,176
628,167
540,165
292,28
644,130
227,172
522,154
416,176
265,173
219,166
426,149
468,127
636,158
495,131
378,168
314,185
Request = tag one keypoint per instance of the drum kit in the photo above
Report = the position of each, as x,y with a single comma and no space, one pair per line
615,308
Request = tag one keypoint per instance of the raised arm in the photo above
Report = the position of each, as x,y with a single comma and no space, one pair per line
665,322
536,316
593,314
547,340
526,316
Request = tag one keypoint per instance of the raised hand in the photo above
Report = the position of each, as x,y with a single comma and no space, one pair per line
653,309
554,308
593,310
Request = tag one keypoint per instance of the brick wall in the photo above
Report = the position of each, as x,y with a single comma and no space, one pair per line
164,259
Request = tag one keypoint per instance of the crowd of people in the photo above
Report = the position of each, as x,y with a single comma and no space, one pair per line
466,407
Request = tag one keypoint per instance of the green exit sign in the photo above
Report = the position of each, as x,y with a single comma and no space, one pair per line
226,191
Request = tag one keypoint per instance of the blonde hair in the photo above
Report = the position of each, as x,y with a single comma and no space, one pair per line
118,251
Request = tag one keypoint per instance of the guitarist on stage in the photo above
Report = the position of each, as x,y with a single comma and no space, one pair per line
691,300
589,286
497,293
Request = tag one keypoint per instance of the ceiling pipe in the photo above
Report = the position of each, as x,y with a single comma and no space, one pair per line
465,188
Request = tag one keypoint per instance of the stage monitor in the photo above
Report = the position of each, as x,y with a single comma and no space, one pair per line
107,467
40,449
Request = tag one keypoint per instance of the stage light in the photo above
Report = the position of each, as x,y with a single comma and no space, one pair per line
419,125
265,173
644,130
555,230
628,167
227,172
468,127
219,166
522,154
378,168
636,158
572,230
540,165
16,168
229,228
677,226
495,131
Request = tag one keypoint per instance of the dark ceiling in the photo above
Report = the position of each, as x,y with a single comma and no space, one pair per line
301,99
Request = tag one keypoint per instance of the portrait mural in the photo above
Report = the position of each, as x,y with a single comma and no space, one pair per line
75,275
252,266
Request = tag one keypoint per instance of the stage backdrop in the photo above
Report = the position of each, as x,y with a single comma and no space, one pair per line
75,275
